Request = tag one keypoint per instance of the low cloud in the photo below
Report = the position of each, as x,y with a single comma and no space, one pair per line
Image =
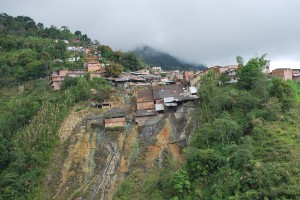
206,31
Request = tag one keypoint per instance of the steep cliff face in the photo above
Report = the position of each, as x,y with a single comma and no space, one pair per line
156,147
93,161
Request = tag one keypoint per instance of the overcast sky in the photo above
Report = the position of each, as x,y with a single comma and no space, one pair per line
213,32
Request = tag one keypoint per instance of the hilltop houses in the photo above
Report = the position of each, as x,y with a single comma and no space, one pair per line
157,100
57,77
115,118
296,74
75,49
187,76
95,66
231,70
285,73
73,59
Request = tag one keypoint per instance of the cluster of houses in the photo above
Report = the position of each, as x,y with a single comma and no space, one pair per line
157,100
164,91
231,70
126,79
151,104
287,73
90,53
160,94
95,68
146,77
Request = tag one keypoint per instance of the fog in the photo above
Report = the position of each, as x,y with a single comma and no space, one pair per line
212,32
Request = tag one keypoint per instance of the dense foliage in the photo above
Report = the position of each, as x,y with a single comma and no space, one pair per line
27,27
30,112
246,147
30,51
129,61
29,125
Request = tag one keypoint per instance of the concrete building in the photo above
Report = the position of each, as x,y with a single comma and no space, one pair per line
73,59
285,73
144,100
187,76
94,66
57,77
115,118
296,74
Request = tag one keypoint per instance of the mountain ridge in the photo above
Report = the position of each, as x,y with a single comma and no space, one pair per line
154,57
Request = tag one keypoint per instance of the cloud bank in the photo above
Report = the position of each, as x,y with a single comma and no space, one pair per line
213,32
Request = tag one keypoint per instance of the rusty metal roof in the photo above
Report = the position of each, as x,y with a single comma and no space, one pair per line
144,95
175,91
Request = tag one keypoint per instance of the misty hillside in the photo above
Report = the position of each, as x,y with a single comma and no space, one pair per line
155,57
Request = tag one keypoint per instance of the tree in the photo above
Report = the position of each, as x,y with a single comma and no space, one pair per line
181,182
40,26
78,33
4,156
68,82
224,78
106,51
202,163
96,42
283,91
118,55
250,73
102,87
113,70
65,28
246,101
26,56
131,61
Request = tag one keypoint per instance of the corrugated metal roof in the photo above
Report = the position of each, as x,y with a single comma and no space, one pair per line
193,90
168,91
169,99
159,107
144,95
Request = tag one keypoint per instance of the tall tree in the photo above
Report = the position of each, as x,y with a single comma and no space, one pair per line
250,73
113,70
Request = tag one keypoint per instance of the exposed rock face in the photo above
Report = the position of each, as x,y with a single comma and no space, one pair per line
94,162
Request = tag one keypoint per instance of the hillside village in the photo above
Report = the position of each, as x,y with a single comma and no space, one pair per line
154,76
156,91
82,121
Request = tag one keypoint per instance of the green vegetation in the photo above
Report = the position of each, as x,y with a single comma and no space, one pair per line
247,145
31,112
29,132
128,61
30,51
113,70
26,27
